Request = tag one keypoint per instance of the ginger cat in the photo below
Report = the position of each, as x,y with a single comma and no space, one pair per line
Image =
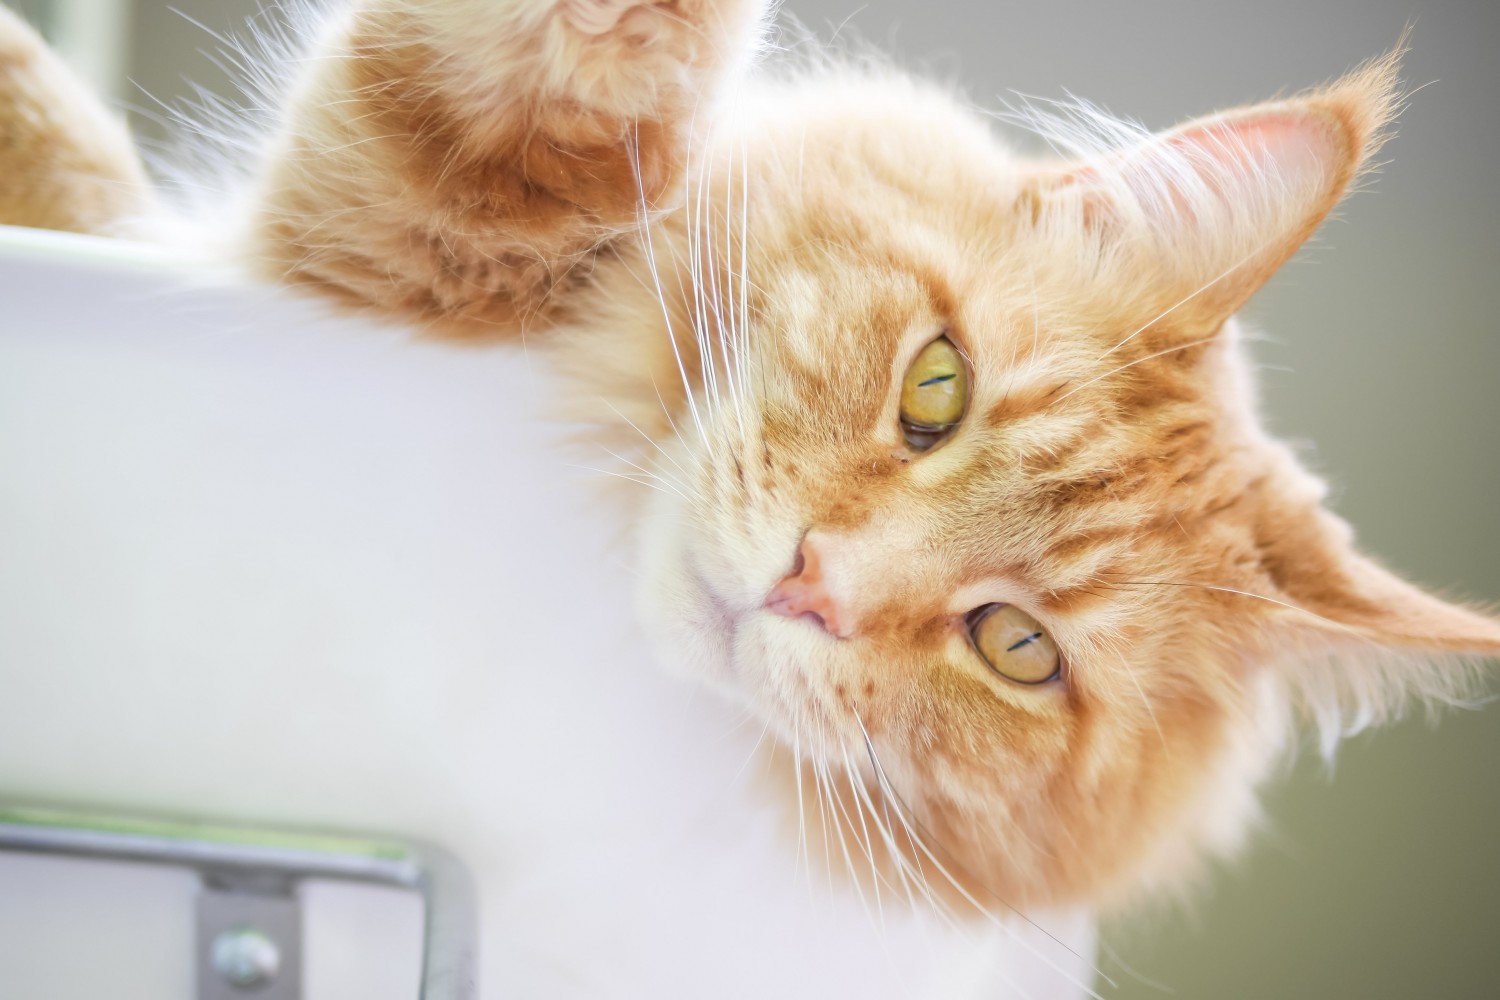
957,479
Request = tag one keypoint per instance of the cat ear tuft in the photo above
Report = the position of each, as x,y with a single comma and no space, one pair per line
1211,209
1375,642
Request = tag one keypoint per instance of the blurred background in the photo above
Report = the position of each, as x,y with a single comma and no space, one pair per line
1381,345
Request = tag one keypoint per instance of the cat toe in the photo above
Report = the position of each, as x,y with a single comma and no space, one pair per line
595,17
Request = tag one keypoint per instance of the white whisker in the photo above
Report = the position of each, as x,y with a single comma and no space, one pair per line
1242,593
666,312
886,788
1132,364
649,439
622,475
670,484
1167,312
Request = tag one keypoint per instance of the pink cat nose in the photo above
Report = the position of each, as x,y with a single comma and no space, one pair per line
804,593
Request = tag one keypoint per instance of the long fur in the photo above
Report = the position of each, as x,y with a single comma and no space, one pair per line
732,269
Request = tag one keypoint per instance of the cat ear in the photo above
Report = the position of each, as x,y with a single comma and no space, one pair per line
1208,211
1376,641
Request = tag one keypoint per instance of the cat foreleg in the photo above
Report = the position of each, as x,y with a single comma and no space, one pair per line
457,163
65,161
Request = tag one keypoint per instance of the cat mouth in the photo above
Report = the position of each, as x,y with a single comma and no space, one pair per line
716,613
720,610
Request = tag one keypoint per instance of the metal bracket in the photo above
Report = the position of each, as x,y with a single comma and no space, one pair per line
249,920
249,944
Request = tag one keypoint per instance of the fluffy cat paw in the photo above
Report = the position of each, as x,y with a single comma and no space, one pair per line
595,17
490,146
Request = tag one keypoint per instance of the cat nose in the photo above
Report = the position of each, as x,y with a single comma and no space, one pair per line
804,592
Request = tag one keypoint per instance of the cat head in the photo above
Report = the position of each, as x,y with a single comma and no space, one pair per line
971,502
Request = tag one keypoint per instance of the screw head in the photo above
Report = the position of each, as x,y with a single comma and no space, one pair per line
246,958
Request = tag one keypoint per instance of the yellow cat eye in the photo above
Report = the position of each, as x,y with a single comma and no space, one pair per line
934,394
1013,644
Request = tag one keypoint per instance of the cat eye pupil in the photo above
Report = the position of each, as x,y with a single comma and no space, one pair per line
1028,639
934,395
1013,644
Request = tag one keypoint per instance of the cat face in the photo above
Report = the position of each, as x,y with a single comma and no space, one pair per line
1058,634
1063,508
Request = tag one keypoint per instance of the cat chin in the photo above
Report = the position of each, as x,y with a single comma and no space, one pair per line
689,630
687,634
694,634
754,659
748,655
